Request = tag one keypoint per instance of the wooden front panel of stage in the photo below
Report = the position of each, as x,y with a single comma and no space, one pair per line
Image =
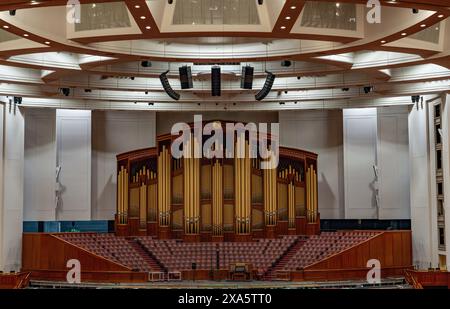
46,257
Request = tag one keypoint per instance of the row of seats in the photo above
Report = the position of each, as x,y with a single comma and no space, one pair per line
117,249
176,255
318,247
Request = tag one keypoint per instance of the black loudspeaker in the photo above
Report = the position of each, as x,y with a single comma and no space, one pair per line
18,100
12,12
267,87
247,77
146,64
215,81
167,88
260,2
186,77
286,63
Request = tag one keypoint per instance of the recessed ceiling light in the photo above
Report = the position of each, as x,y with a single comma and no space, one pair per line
34,2
288,17
382,42
293,7
143,17
6,26
26,34
283,27
148,27
423,25
338,4
137,6
441,15
404,33
47,42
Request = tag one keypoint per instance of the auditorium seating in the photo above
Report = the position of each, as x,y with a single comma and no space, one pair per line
318,247
287,253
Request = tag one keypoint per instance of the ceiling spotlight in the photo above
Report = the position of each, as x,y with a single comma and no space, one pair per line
150,103
283,27
146,64
281,103
148,27
382,42
286,63
368,89
143,17
293,7
65,91
137,6
423,25
404,33
26,35
6,26
47,42
288,17
441,15
299,77
88,90
18,100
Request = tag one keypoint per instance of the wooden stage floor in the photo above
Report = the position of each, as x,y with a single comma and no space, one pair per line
390,283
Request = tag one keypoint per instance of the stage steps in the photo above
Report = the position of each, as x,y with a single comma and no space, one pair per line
153,263
270,275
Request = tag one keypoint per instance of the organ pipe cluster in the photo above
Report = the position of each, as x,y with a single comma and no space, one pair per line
242,183
143,173
191,187
164,182
122,196
217,198
270,196
311,195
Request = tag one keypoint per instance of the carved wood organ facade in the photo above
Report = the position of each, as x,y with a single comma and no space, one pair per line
200,199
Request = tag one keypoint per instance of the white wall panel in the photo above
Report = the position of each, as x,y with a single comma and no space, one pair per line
360,146
40,164
74,157
319,132
393,163
12,184
115,132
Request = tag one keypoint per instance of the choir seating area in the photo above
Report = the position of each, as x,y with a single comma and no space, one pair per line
287,253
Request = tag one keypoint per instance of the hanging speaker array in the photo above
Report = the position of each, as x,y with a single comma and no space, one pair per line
215,81
270,79
246,82
167,88
247,77
186,77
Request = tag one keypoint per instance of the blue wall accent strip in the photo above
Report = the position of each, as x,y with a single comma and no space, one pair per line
98,226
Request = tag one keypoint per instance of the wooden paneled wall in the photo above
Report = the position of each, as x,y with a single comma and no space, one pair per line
46,256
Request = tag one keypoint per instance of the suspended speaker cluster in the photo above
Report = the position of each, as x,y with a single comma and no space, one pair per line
186,77
247,77
215,81
167,88
270,79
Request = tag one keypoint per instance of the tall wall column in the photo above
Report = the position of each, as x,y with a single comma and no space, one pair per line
12,138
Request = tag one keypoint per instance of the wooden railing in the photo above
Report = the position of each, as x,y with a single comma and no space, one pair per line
412,280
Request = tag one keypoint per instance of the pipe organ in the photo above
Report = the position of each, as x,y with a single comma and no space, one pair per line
215,199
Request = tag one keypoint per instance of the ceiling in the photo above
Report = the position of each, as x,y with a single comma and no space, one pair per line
333,48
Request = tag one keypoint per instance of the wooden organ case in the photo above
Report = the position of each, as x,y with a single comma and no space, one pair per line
226,199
